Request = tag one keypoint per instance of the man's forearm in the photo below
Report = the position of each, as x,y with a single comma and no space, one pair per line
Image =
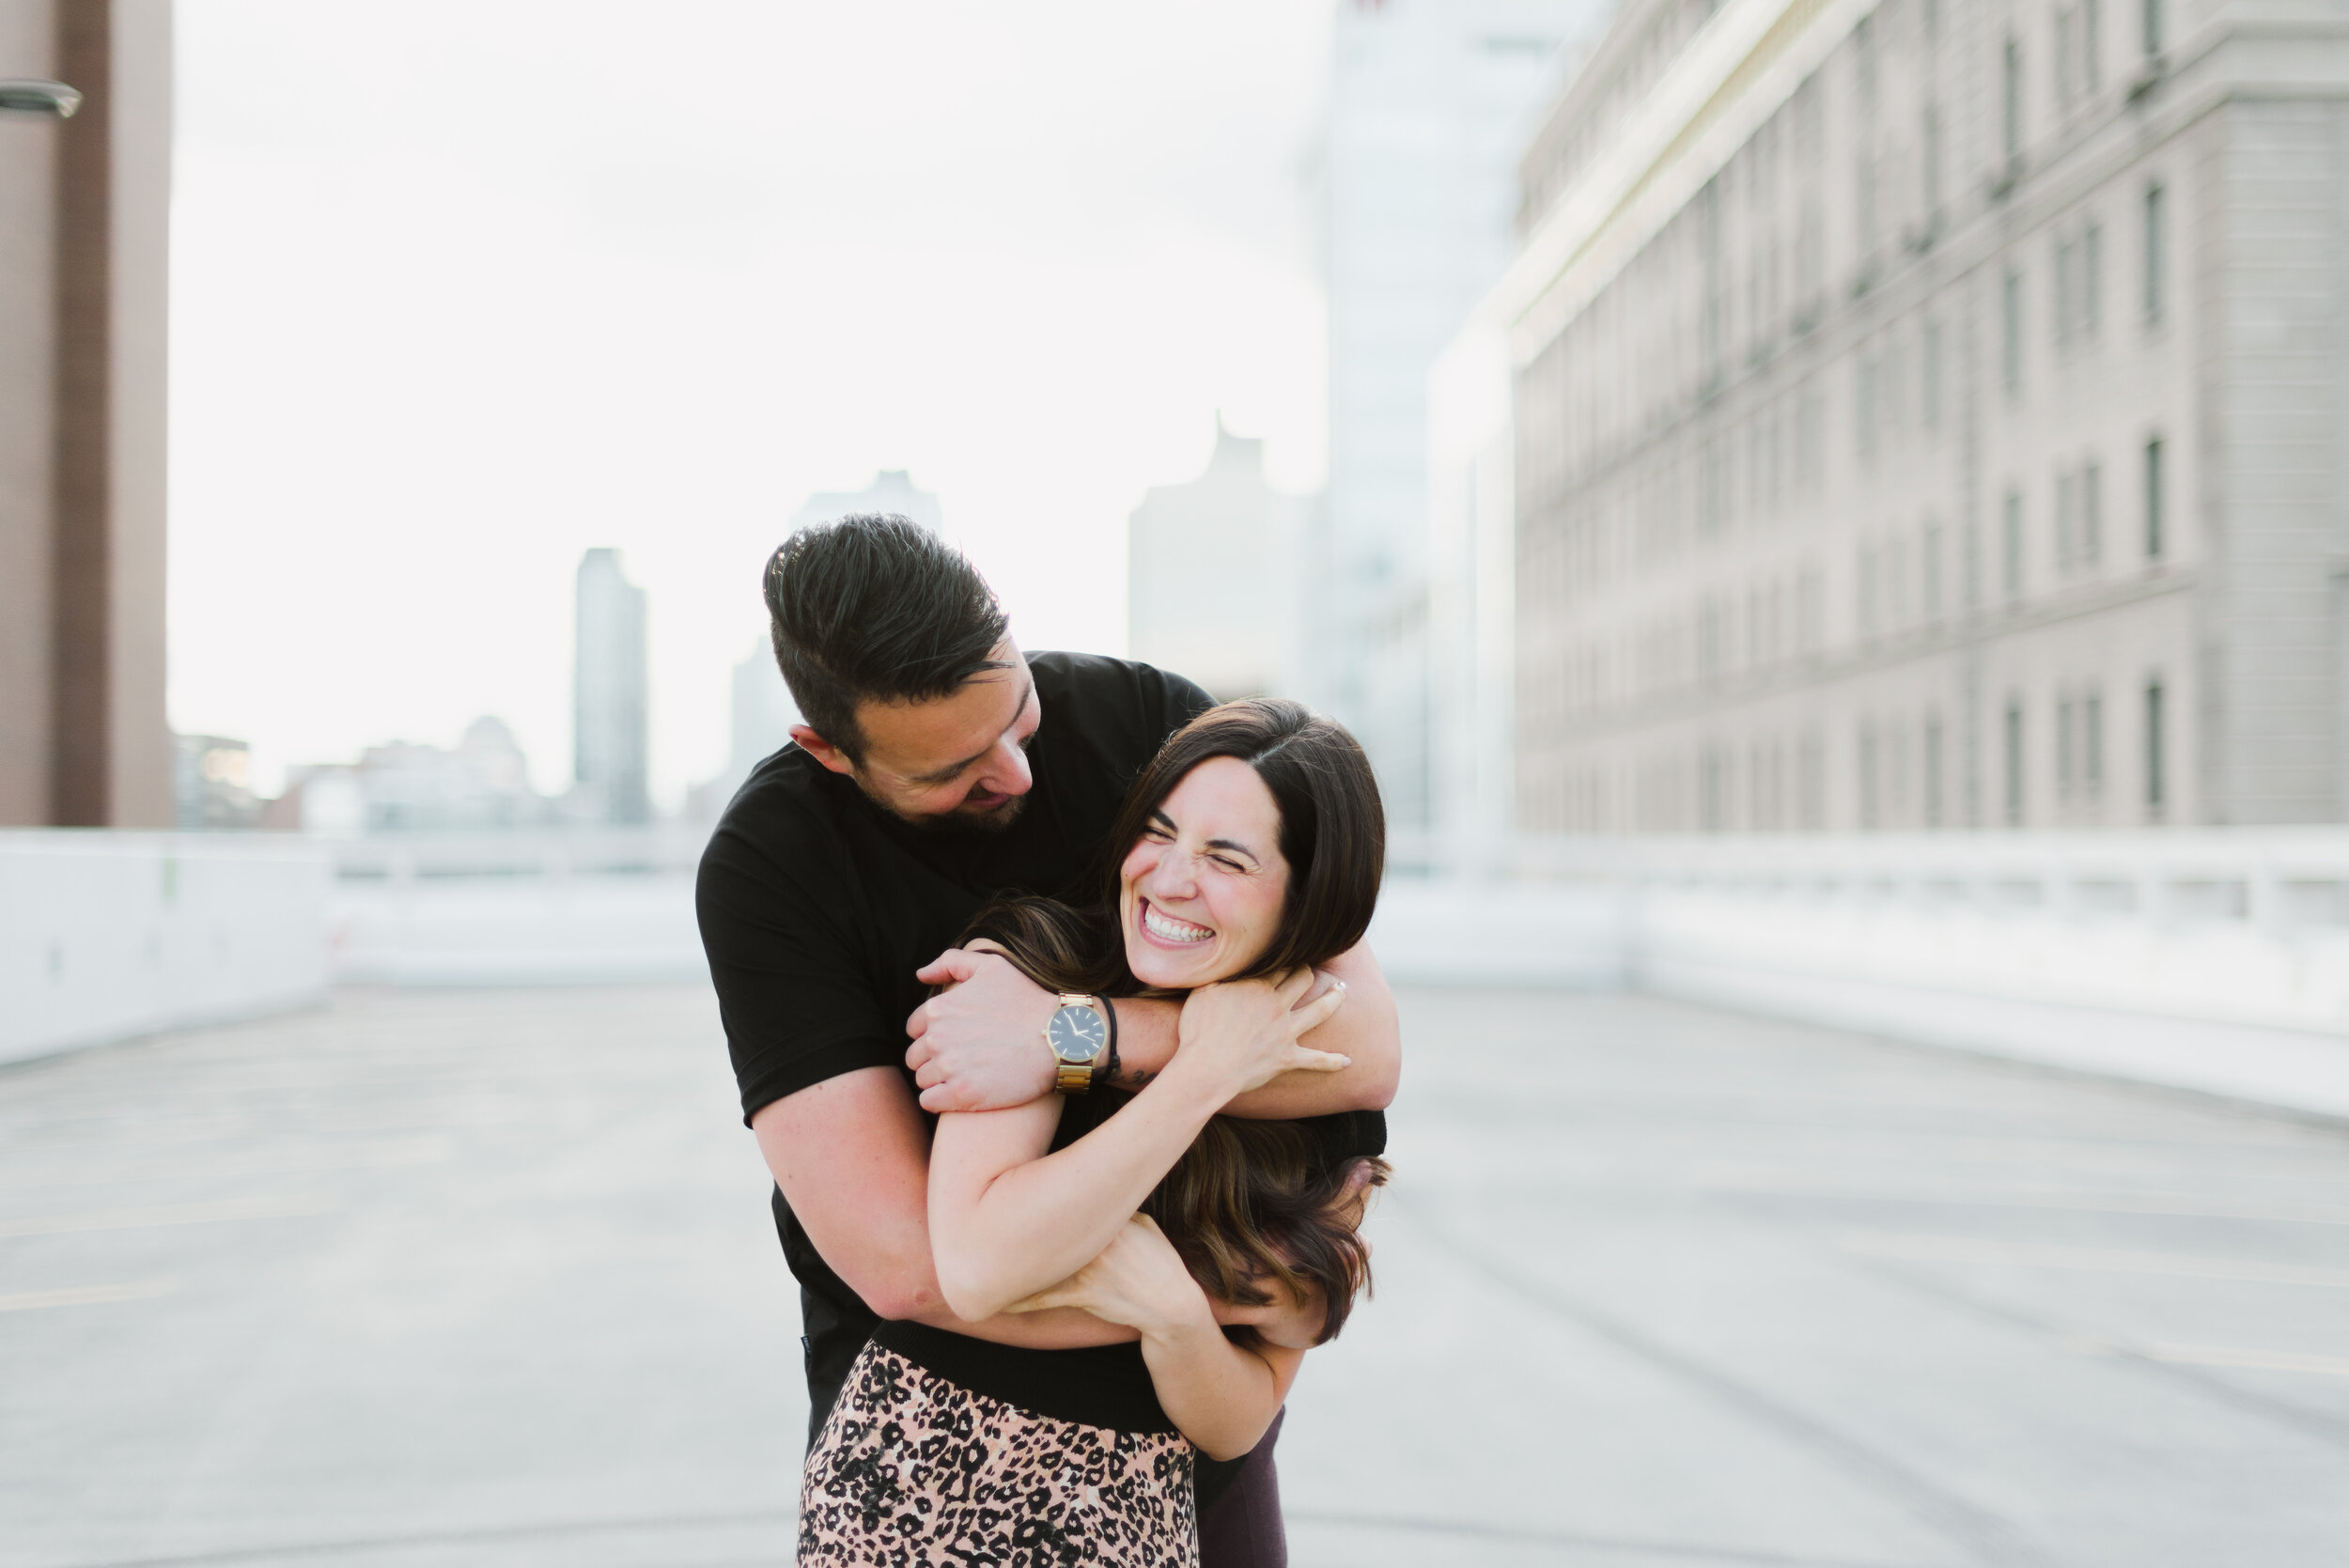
1366,1029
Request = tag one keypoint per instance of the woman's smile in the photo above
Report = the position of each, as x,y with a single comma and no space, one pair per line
1164,929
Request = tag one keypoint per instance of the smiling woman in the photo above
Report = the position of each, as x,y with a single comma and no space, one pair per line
1249,851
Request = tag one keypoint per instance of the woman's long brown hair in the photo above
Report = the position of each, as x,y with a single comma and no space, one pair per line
1251,1206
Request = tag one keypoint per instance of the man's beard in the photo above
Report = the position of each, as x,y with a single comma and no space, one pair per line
962,819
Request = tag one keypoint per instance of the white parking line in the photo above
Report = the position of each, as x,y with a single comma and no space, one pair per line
2214,1356
167,1214
87,1295
1932,1248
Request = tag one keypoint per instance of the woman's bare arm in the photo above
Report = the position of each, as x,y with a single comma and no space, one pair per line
1221,1395
1007,1220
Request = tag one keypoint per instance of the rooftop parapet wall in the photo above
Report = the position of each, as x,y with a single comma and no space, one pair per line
108,935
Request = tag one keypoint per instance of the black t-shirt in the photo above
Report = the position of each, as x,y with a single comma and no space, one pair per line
817,907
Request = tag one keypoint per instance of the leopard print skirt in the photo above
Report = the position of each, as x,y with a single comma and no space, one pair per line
913,1471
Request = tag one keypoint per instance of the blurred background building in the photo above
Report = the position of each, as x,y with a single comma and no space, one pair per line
85,242
892,492
481,783
212,783
1428,100
612,739
1213,585
1927,417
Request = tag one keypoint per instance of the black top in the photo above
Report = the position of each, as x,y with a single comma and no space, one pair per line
817,907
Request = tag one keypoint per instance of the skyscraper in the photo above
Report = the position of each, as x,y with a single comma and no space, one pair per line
1428,105
612,735
1211,577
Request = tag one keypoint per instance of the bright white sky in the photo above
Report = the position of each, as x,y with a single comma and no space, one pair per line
461,289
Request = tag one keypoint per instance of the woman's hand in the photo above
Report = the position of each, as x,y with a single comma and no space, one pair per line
1138,1281
1247,1030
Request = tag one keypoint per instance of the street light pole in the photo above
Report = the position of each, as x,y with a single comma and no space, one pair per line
37,95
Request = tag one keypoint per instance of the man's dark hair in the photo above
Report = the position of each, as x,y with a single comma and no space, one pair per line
870,608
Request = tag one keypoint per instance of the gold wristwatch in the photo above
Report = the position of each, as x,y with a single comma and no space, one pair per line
1078,1034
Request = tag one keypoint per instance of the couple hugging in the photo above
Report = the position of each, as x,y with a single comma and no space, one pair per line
1060,1260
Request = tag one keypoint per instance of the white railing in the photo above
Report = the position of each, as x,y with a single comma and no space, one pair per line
2216,958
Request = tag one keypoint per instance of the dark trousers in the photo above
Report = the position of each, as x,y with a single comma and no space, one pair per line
1242,1528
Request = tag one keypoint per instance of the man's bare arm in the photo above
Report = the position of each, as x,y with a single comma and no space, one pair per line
980,1046
852,1156
1366,1029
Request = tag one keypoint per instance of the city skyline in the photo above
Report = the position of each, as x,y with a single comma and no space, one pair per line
665,332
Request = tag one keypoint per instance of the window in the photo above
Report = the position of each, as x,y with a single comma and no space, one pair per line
2092,268
2064,749
1812,780
2011,119
1929,155
2012,541
1865,407
2060,317
2066,519
1713,788
2155,784
1869,807
2152,499
1932,770
1929,359
2065,17
1929,553
2153,271
1864,178
2091,45
2151,20
2092,743
2013,762
2010,358
2091,520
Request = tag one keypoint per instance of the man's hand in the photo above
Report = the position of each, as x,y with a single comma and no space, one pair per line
979,1046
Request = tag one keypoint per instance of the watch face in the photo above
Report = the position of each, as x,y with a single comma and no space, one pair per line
1077,1033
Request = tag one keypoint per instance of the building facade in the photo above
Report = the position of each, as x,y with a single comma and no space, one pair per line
1428,105
611,736
1929,414
84,239
1212,588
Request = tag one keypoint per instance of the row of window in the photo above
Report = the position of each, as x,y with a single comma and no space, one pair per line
2076,300
2079,517
2078,38
1902,775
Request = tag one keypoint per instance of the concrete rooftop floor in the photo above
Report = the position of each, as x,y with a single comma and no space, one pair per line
439,1280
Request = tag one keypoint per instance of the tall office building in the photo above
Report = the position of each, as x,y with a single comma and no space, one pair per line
612,733
1928,415
1428,100
1212,587
85,241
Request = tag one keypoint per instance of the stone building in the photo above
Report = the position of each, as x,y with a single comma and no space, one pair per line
1929,413
85,241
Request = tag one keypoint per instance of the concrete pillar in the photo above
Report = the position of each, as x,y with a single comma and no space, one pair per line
85,228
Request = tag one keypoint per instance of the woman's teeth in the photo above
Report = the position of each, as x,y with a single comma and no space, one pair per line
1168,929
